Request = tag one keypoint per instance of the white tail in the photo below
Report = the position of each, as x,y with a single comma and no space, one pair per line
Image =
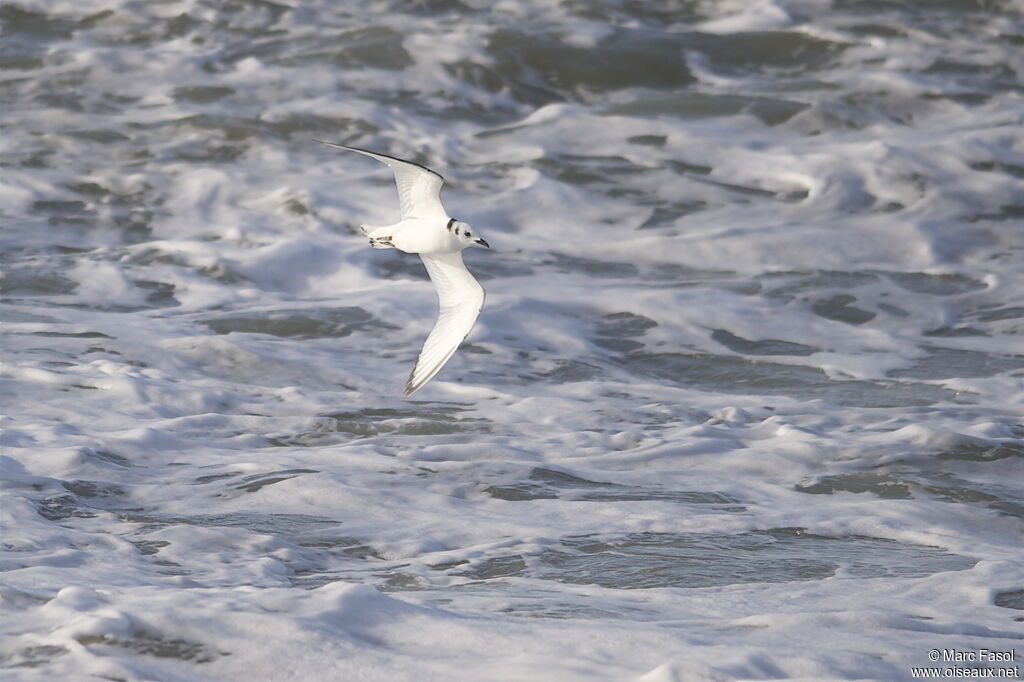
368,230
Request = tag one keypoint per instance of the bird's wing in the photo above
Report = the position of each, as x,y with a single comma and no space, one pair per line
460,298
419,188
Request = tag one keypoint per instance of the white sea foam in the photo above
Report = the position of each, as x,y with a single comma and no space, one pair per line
745,401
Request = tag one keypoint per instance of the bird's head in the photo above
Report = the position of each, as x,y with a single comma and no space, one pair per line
465,234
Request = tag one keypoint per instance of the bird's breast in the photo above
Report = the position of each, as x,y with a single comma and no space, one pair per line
417,235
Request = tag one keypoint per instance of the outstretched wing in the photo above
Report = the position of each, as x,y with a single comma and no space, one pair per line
419,188
460,298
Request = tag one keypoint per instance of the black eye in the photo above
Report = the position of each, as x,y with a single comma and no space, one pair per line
468,234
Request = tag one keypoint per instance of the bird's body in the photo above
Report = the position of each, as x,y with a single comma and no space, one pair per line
415,235
425,228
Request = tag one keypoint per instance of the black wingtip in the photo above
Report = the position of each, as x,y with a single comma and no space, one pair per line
378,154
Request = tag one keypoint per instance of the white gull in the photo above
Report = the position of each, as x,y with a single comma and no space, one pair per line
425,228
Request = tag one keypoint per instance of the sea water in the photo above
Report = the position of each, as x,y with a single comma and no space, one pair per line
745,401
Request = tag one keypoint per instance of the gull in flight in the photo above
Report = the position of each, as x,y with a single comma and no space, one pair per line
426,228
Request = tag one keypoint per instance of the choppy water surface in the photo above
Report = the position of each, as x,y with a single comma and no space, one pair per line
745,401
